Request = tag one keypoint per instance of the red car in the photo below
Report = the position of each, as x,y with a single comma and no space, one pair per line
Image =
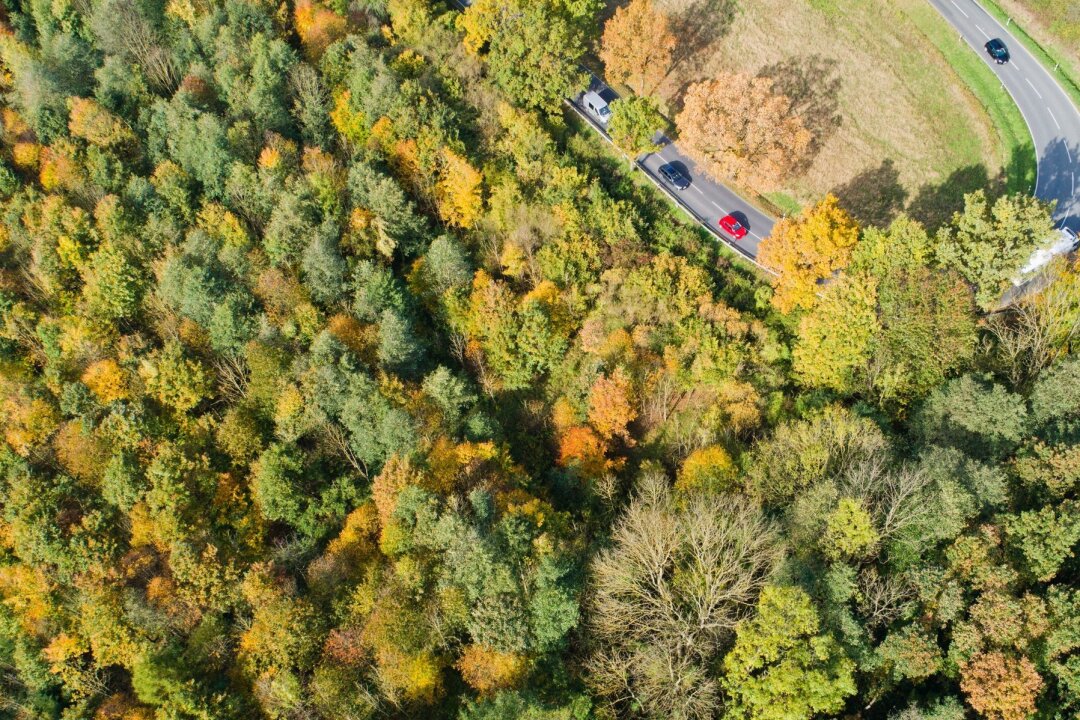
733,227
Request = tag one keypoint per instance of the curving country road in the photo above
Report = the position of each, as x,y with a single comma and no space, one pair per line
1052,119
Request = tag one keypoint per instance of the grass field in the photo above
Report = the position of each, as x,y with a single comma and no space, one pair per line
904,116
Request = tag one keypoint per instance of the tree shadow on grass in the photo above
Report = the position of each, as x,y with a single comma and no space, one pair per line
875,196
935,204
812,84
697,28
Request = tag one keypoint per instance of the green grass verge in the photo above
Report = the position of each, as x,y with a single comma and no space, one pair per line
1067,74
788,204
984,85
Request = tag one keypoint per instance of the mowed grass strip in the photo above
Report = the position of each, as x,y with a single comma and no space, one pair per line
1018,154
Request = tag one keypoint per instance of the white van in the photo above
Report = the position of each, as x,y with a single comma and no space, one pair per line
1041,257
596,105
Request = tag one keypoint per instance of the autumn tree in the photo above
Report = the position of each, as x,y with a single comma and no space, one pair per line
999,687
459,191
836,337
806,251
637,46
738,127
611,406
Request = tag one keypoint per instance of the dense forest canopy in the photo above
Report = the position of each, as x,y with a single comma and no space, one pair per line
344,376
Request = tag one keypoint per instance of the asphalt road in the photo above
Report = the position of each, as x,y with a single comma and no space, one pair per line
705,199
1051,117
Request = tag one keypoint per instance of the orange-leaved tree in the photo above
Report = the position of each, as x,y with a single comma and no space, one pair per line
1001,687
807,250
737,126
637,46
612,406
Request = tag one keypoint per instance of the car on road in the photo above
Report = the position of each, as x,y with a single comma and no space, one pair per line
731,225
997,50
597,106
675,178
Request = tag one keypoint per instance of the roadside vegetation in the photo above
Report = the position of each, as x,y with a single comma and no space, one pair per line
343,378
883,94
1050,31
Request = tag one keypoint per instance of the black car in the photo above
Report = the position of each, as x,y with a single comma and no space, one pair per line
671,173
998,51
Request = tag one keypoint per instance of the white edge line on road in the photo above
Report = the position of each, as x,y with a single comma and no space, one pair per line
959,8
1027,122
1028,81
1052,117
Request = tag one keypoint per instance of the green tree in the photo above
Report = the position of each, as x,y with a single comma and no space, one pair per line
532,48
981,418
782,666
635,121
989,243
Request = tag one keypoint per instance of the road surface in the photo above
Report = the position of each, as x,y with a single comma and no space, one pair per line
706,200
1052,119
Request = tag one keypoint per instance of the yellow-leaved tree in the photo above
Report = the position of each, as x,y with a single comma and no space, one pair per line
459,191
836,338
806,250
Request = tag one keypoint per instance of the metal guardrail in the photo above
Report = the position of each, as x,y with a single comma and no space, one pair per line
678,201
598,83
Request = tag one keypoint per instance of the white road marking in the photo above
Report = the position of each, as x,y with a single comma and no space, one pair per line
1067,153
697,189
983,32
1033,88
960,9
1053,118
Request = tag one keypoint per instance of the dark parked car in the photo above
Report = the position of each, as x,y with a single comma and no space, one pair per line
733,227
671,173
998,51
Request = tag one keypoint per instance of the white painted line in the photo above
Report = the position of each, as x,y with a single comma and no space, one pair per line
716,205
1053,118
697,189
1033,88
960,9
1067,153
983,32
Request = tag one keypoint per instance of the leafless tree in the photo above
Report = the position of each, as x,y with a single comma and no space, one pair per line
895,495
1029,335
124,30
669,593
883,598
